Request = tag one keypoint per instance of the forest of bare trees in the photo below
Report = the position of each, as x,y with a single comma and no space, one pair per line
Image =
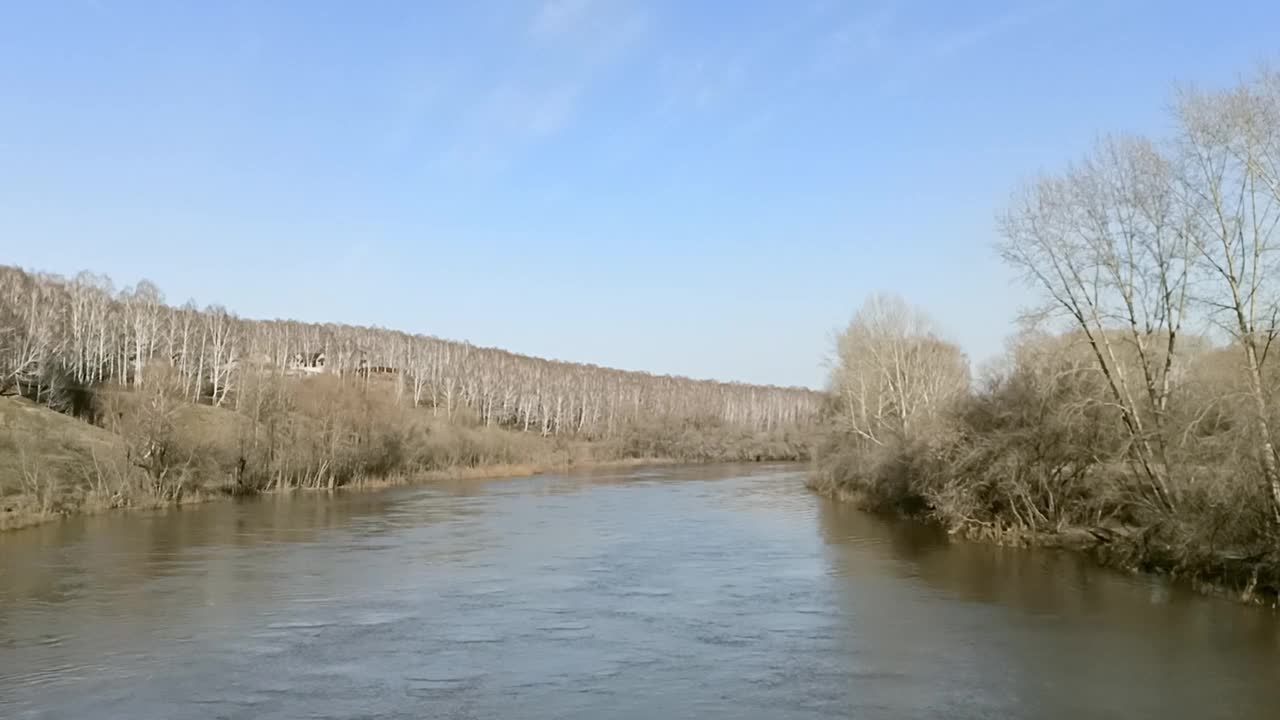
198,398
59,336
1138,410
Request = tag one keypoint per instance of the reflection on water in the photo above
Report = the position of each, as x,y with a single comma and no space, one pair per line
714,591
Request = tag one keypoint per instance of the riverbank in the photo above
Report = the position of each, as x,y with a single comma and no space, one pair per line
13,517
54,465
1249,580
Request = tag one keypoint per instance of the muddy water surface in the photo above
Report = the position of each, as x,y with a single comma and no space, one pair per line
706,592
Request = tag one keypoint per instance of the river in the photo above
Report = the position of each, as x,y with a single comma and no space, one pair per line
679,592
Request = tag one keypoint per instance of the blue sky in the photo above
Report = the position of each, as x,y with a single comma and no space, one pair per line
700,188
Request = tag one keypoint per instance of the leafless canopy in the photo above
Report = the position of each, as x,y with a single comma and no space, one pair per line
1142,237
81,331
893,374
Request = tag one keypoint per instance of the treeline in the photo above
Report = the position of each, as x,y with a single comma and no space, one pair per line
196,402
1137,414
58,336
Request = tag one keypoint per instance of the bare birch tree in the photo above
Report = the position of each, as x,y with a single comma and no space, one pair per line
893,374
1229,144
1106,246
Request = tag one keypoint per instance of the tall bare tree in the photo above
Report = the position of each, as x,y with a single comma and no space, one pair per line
1108,247
1229,145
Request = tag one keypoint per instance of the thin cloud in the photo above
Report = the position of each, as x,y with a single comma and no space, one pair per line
556,17
531,113
570,45
956,41
857,38
698,83
505,121
593,32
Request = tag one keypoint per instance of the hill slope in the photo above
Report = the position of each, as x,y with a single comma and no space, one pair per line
51,463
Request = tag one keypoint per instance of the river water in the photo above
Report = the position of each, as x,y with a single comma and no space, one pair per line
703,592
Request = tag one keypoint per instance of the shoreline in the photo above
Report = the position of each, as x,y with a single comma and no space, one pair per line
458,474
1233,578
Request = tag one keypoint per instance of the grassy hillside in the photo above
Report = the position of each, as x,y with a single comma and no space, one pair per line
147,448
52,463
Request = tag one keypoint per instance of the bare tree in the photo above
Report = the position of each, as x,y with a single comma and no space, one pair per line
1106,246
142,306
893,374
1229,145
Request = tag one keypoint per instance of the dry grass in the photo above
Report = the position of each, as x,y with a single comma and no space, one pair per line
324,436
52,464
